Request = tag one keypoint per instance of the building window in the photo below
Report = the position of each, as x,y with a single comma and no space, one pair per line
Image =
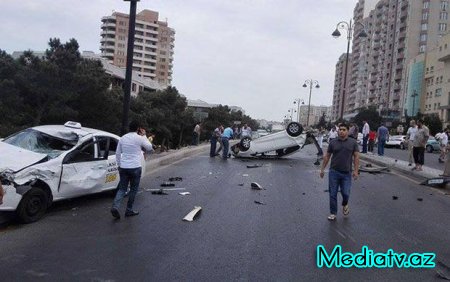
422,48
444,5
438,92
426,5
424,27
133,87
442,27
443,16
425,16
423,37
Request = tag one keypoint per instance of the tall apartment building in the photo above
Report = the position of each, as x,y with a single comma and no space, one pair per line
339,86
153,44
398,31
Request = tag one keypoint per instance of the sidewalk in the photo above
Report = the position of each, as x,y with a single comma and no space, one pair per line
401,166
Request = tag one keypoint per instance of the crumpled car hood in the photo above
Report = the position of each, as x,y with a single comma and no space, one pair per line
15,158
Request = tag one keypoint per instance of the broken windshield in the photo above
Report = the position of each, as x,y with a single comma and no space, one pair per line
39,142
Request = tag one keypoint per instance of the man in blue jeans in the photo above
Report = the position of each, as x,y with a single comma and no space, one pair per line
341,150
129,161
226,136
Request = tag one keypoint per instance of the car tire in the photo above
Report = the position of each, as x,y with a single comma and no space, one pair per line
429,148
294,129
33,205
244,144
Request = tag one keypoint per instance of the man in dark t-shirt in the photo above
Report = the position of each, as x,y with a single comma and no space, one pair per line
341,150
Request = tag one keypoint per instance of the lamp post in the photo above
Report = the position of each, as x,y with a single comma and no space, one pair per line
129,67
291,112
413,96
298,101
349,28
311,83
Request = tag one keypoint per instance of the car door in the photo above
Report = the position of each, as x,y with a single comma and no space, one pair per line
107,150
83,170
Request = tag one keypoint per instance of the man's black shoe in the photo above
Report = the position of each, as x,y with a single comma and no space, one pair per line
115,213
131,213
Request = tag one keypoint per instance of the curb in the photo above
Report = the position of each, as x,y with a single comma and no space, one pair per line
153,163
419,176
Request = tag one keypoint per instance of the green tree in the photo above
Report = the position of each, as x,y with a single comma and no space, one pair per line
370,115
433,122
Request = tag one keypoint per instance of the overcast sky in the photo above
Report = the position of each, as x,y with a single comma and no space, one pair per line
255,54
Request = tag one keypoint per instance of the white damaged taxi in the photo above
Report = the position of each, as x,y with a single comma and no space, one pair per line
43,164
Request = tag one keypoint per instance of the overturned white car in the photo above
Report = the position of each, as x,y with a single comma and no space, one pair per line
275,145
48,163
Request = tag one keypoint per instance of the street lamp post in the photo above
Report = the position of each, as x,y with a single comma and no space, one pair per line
298,101
413,96
311,83
129,67
291,112
349,28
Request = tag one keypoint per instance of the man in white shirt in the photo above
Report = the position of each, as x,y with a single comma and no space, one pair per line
443,141
410,134
129,161
246,131
365,133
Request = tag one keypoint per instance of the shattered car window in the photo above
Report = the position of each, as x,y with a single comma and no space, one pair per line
39,142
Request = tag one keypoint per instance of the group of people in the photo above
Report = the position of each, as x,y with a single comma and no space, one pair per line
223,136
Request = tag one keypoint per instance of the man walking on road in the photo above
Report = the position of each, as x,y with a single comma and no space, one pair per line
196,134
129,161
365,133
341,150
410,134
383,136
420,141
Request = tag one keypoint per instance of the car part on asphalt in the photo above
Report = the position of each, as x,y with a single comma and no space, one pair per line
394,198
259,202
167,184
255,166
191,215
256,186
184,193
177,178
159,192
437,182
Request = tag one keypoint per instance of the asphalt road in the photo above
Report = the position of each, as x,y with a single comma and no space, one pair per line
233,238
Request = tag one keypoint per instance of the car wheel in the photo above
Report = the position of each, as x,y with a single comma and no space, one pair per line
33,205
294,129
402,146
245,144
429,149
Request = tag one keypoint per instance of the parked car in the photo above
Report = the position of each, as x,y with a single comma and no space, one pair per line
276,145
397,141
432,145
44,164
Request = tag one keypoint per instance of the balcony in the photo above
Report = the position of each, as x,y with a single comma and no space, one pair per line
444,54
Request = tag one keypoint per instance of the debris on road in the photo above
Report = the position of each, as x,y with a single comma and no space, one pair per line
190,216
372,169
184,193
254,166
245,175
394,198
165,189
436,182
256,186
167,184
326,191
159,192
259,203
419,199
241,184
177,178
